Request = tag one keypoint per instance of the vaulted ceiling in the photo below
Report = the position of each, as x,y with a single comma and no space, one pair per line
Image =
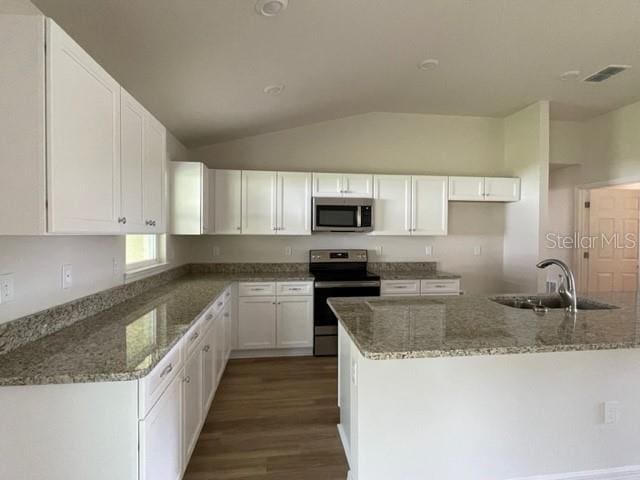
201,65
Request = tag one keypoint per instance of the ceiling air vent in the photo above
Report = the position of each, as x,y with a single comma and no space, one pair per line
606,73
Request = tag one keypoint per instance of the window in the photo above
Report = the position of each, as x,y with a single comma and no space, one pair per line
144,251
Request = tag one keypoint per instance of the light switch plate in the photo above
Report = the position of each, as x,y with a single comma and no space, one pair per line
7,290
611,412
378,250
428,250
288,251
216,251
477,250
67,276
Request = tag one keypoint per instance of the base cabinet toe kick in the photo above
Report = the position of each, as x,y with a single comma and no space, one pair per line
142,429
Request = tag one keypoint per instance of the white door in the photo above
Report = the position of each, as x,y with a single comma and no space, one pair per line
209,367
466,188
430,204
392,205
256,322
295,322
327,184
161,436
501,189
227,200
192,403
153,199
83,140
132,152
357,185
259,203
294,203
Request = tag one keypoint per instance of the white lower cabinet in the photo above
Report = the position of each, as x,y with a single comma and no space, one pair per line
256,322
192,401
293,328
277,321
160,436
209,367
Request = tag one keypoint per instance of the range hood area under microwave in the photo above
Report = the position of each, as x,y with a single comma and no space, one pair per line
331,214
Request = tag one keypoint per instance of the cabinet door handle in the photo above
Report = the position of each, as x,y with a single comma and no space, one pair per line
210,316
206,348
194,336
220,304
166,371
238,228
186,379
226,315
122,220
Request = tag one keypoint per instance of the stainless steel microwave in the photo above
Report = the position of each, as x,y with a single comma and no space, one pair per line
342,214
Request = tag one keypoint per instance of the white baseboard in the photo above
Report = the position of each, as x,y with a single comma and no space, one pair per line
631,472
272,352
345,445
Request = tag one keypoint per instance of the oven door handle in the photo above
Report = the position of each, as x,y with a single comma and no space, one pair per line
371,283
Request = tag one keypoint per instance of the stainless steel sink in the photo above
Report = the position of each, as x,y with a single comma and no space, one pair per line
534,302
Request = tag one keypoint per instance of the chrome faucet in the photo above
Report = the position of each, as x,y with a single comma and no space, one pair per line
567,290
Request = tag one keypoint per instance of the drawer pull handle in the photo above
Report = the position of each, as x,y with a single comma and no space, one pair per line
206,348
219,304
400,286
210,316
166,371
195,336
226,315
295,289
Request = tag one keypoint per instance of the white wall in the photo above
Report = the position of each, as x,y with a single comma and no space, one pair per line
374,142
379,143
526,155
453,253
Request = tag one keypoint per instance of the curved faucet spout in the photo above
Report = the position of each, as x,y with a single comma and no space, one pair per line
568,290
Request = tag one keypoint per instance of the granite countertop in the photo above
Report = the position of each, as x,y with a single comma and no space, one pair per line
417,275
126,341
421,327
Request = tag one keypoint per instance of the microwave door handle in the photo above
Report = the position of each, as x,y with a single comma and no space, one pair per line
359,217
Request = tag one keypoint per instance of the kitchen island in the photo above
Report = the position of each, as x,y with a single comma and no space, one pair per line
466,388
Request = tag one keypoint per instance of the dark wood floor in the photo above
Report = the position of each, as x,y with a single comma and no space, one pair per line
272,419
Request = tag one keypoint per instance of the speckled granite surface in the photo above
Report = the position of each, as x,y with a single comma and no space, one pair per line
122,343
126,340
409,271
420,327
28,329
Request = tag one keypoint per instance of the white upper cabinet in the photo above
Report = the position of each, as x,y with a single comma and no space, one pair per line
189,198
225,193
142,169
484,189
429,208
154,175
357,185
501,189
294,203
342,185
392,207
79,154
466,188
83,140
132,152
259,203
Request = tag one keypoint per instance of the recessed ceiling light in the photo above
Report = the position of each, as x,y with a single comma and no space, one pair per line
271,8
273,89
428,64
570,75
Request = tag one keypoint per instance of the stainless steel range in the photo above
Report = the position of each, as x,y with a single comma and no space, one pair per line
338,273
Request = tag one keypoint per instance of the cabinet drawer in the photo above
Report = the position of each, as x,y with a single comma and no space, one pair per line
195,334
294,288
152,386
256,289
400,287
431,287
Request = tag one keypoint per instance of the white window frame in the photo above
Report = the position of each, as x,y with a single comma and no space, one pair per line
137,270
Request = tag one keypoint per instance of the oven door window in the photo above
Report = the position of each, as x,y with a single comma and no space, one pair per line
336,216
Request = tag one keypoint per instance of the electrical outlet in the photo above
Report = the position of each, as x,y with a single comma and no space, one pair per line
7,292
67,276
288,251
115,265
611,412
216,251
428,250
378,251
477,250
